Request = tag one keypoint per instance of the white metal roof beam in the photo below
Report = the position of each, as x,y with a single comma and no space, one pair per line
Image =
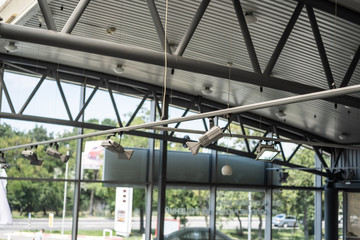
51,38
283,39
247,38
158,25
75,16
351,68
320,46
192,27
221,112
333,9
45,10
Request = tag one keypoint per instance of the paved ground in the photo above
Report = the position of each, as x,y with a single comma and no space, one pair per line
16,230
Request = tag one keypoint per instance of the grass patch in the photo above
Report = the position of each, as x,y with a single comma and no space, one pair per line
276,234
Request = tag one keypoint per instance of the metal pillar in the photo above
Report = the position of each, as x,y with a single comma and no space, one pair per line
318,202
77,184
213,189
268,210
150,185
331,212
162,179
1,85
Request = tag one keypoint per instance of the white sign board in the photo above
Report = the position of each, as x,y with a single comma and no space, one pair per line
123,211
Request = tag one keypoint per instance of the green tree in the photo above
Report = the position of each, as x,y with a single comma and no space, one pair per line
300,203
181,200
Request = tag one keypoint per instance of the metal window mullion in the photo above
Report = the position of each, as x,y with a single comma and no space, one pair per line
158,25
268,210
281,148
247,38
33,92
318,203
243,132
150,178
283,39
183,115
256,146
75,16
320,46
351,68
157,103
300,168
3,86
113,103
321,159
137,110
192,27
77,184
46,12
86,104
337,158
162,179
200,110
63,96
294,152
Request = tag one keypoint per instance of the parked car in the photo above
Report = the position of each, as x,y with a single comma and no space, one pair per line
283,220
196,233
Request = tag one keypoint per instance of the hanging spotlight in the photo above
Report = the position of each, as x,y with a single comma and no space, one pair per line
226,170
3,163
343,136
280,114
210,136
111,30
56,154
119,69
32,157
250,18
186,138
283,176
11,47
347,175
115,147
206,90
266,152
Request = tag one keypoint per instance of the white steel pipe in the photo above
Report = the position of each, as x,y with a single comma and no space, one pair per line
222,112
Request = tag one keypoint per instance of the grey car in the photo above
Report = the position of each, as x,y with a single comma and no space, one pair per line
283,220
197,233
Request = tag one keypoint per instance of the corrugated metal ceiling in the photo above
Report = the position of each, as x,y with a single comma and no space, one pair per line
218,39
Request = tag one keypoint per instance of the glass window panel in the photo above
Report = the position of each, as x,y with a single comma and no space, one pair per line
293,214
32,204
19,87
100,107
187,213
72,95
233,216
47,102
127,105
120,210
353,216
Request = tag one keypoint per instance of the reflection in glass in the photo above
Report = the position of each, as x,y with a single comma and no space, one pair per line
240,213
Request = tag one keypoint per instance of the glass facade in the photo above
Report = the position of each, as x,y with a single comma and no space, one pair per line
113,194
